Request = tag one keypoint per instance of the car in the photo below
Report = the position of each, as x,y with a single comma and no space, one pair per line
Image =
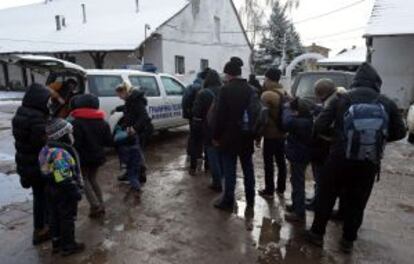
304,84
163,91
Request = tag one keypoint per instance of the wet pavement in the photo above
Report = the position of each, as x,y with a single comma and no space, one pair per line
174,221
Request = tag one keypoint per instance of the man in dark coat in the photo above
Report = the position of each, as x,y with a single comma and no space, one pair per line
92,133
355,178
28,125
232,104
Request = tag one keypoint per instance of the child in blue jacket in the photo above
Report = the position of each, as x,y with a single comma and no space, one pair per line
298,123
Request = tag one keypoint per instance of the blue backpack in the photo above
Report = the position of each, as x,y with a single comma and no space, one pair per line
365,131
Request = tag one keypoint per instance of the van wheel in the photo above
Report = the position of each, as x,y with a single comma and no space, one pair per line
163,132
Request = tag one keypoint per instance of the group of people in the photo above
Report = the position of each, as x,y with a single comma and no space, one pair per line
60,139
341,135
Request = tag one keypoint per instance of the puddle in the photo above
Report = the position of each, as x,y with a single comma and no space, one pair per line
406,208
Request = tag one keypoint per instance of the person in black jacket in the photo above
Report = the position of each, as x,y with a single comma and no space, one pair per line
232,103
135,122
203,103
92,133
253,81
28,126
354,177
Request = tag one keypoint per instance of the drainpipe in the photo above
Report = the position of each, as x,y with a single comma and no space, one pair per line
84,13
58,25
370,43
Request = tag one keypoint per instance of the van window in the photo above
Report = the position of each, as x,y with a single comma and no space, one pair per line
172,87
148,84
103,85
307,83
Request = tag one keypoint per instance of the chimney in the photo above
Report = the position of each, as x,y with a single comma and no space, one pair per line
58,25
84,13
137,6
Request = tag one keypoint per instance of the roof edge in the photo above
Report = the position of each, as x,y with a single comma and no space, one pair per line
241,25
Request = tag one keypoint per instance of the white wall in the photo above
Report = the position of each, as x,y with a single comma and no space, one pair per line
194,38
393,58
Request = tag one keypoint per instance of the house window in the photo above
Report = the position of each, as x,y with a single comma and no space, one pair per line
217,28
203,64
179,65
195,4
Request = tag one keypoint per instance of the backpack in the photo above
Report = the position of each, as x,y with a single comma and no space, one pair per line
365,131
284,99
255,116
188,100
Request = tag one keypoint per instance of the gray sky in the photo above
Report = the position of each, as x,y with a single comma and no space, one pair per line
336,31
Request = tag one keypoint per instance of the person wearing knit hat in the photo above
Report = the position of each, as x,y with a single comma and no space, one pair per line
59,163
273,74
233,68
231,137
274,136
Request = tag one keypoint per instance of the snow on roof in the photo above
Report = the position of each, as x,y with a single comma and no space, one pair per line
110,25
391,17
355,56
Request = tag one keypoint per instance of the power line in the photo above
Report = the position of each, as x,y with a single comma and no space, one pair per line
329,13
335,34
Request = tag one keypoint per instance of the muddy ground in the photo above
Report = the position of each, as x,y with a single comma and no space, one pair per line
174,221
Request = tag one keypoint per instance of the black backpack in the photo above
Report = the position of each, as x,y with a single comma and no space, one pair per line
255,116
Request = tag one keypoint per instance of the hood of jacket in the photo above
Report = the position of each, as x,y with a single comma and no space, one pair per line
85,101
37,97
367,77
137,95
88,113
272,86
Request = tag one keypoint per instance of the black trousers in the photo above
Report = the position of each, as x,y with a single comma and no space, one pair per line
196,143
40,206
64,209
353,180
274,150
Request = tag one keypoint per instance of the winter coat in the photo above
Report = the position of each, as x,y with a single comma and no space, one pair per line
364,89
202,105
256,84
135,114
299,140
272,98
59,164
29,132
233,100
189,96
92,133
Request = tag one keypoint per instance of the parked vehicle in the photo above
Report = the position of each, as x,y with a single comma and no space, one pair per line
304,84
163,91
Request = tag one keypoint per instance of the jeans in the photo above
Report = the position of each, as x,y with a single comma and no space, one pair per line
298,170
215,164
40,206
354,180
64,208
92,189
274,149
131,155
230,177
196,143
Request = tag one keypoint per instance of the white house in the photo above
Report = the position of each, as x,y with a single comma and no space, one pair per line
347,59
390,41
179,37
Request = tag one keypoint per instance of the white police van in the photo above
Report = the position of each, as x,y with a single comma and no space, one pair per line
163,91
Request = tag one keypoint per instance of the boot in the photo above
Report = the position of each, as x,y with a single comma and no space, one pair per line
40,236
72,249
346,246
55,245
143,175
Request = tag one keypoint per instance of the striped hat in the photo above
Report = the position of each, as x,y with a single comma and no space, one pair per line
57,128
